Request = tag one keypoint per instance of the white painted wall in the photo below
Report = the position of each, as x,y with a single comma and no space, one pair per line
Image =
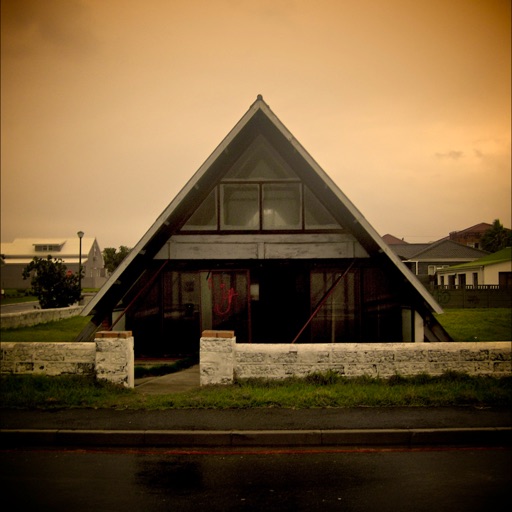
222,359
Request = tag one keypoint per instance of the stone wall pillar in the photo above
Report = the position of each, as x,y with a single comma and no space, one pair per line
115,360
217,357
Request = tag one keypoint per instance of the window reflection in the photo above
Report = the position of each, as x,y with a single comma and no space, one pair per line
240,207
281,206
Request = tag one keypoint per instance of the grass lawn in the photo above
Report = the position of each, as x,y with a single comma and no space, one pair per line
492,324
316,391
62,330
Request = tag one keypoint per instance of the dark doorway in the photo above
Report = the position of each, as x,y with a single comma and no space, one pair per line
279,303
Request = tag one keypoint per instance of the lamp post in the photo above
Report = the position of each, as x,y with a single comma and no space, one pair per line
80,236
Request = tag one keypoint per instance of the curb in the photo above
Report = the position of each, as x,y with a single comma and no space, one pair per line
492,436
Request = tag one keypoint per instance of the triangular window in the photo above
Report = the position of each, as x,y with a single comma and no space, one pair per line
260,162
261,192
316,215
205,217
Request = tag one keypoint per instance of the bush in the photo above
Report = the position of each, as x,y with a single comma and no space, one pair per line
52,283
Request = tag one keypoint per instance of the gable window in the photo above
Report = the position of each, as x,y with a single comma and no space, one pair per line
205,217
261,192
316,214
240,207
281,206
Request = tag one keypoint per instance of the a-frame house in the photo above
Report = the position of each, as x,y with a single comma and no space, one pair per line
262,242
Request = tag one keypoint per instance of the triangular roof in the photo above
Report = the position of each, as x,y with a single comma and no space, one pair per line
505,255
259,119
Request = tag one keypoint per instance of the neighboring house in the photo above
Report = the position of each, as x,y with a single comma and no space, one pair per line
425,260
262,242
19,253
493,270
471,236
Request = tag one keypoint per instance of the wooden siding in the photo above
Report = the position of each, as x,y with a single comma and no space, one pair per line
243,247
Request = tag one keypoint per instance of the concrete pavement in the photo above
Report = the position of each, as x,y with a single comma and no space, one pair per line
178,382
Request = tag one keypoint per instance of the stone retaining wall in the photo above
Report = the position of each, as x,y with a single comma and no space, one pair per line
110,357
37,316
222,359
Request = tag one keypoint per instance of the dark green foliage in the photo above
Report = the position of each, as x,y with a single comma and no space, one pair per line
52,283
113,258
323,378
496,237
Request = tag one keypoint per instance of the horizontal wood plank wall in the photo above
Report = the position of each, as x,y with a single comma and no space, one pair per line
259,246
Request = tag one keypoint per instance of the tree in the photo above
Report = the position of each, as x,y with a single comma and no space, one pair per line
496,237
53,284
113,258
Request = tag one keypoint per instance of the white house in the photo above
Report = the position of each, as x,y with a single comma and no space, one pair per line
19,253
491,270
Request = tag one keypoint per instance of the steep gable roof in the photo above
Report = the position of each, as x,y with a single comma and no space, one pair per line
259,119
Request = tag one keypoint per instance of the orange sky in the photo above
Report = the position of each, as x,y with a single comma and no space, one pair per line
110,106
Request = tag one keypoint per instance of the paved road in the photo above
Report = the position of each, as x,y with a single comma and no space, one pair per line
350,480
18,308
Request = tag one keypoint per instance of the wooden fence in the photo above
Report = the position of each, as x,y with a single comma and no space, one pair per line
472,296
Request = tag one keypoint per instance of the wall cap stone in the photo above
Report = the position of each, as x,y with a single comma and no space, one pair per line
218,334
113,334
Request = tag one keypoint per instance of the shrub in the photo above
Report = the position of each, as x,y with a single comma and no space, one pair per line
52,283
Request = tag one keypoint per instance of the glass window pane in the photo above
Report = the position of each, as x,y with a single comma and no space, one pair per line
205,217
240,207
260,162
316,215
281,206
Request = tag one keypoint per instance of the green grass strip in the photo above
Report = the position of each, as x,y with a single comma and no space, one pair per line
317,391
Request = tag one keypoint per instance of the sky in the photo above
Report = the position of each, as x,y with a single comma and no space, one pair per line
108,107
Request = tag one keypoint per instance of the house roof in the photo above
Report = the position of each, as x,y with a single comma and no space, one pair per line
407,251
445,249
482,227
393,240
23,250
259,119
491,259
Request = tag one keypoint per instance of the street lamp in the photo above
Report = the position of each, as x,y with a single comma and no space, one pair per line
80,236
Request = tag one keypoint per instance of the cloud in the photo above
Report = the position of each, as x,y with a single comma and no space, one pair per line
63,25
450,155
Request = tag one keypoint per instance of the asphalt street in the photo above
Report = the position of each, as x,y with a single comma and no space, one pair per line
393,480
